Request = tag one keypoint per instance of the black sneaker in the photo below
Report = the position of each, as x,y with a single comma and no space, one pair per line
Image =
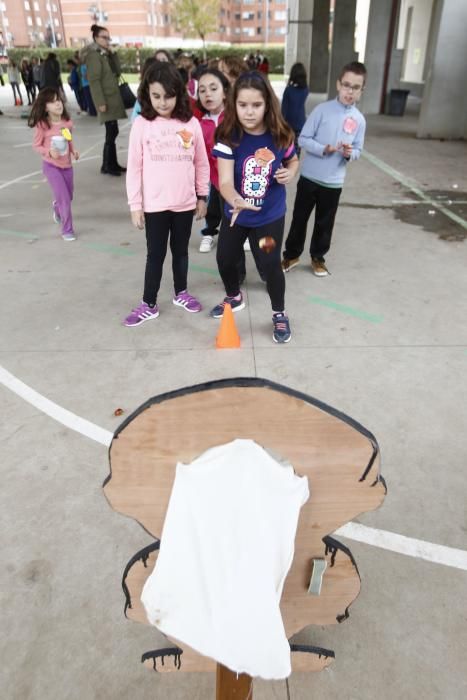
281,332
236,305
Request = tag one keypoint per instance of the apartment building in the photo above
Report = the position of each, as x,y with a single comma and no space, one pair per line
30,23
142,22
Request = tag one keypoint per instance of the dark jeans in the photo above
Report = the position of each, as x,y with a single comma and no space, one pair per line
214,213
159,226
88,100
326,199
111,132
230,252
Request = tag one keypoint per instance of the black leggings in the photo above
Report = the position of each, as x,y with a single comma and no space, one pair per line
111,132
159,226
230,251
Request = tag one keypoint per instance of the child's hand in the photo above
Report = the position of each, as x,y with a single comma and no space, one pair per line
137,219
346,150
201,209
76,155
102,108
283,176
53,153
331,149
239,205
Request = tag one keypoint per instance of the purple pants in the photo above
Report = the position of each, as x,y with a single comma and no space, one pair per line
61,182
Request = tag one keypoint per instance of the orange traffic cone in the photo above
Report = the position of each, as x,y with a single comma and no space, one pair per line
228,336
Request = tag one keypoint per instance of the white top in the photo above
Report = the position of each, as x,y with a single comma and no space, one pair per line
226,548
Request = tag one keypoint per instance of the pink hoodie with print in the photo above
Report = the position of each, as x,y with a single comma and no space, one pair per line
167,167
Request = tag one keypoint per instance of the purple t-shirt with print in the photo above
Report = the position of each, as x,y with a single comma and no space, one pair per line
256,160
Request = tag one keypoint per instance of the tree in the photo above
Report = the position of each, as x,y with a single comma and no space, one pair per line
197,18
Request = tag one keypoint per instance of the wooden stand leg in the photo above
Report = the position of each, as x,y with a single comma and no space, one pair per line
230,686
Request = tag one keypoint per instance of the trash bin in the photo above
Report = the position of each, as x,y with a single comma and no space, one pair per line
397,102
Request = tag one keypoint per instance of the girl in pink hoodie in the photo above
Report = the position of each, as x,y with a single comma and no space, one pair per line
53,141
167,183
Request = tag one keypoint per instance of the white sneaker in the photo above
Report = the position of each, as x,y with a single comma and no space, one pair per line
246,246
207,244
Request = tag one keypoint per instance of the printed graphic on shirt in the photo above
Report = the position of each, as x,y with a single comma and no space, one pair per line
350,125
170,146
256,176
186,138
66,133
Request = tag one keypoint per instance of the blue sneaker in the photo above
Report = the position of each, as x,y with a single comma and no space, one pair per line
281,332
236,305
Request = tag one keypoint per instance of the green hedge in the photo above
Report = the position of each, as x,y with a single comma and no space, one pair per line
128,57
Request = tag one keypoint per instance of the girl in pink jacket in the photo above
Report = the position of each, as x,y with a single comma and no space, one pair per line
167,182
213,88
53,141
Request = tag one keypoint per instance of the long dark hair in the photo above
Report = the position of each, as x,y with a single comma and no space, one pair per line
223,81
298,76
39,108
168,76
231,131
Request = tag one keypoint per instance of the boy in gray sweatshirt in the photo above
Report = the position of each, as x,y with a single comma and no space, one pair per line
332,136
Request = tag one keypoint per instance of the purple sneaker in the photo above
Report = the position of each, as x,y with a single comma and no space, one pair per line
188,302
142,313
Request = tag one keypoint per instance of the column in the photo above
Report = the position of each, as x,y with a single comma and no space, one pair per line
379,22
319,69
343,33
444,107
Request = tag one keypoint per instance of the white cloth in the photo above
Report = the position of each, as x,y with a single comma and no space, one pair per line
226,547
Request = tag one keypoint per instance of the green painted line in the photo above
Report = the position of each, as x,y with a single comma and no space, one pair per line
207,270
103,248
18,234
414,187
345,309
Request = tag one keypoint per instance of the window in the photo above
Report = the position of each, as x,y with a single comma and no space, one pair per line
29,21
27,6
280,16
280,30
56,22
36,6
248,15
249,31
237,15
258,30
38,21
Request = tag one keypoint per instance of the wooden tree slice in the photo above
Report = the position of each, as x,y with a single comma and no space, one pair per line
339,457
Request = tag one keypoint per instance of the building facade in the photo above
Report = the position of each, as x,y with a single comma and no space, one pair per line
136,22
31,23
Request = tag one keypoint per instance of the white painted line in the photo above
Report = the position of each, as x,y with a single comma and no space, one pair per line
61,415
39,172
23,145
19,179
5,216
434,553
410,547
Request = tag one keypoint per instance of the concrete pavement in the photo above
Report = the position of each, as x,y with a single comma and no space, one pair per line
382,339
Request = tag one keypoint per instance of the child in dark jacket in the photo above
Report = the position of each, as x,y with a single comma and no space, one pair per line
293,100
